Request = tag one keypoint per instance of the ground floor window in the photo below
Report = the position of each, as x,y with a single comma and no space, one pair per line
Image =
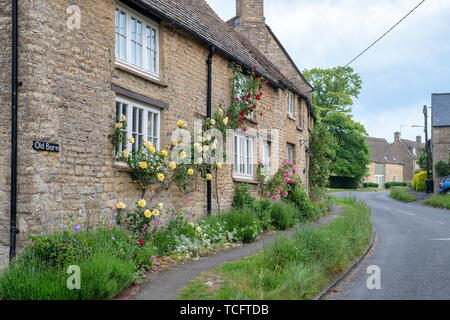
243,156
290,153
143,123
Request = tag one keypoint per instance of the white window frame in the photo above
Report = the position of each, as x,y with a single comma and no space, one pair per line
243,163
290,154
145,70
146,109
266,153
290,104
299,114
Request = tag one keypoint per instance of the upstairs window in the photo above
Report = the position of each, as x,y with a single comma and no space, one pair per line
290,153
137,42
299,114
290,104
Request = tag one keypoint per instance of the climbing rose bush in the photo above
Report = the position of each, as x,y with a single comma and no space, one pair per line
278,186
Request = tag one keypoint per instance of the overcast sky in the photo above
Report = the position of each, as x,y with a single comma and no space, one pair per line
399,73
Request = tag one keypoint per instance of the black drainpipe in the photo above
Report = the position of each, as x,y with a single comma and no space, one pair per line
208,114
15,86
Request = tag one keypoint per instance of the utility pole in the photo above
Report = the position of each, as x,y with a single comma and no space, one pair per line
429,182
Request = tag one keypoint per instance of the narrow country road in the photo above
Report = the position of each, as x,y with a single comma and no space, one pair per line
412,251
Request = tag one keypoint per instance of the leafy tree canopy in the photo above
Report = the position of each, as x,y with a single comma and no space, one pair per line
335,90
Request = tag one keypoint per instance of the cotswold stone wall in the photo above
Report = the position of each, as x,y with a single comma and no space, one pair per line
5,126
441,150
393,172
66,98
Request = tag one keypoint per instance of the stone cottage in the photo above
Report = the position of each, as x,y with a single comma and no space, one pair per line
385,165
408,151
81,61
440,131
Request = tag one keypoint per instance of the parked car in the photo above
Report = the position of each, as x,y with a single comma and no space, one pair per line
444,186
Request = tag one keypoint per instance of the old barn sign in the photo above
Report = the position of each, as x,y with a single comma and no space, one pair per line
45,146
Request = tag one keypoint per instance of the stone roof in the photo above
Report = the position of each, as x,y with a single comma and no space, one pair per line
198,19
410,145
441,109
381,151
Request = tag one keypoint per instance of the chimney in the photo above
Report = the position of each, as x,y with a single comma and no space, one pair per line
250,10
419,139
396,136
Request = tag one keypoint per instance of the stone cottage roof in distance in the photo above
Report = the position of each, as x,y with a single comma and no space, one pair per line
410,145
198,19
381,151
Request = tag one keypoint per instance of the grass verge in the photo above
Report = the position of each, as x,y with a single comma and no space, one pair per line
295,267
368,189
402,194
438,201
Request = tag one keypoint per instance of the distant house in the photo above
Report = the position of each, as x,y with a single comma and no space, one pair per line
440,131
408,151
385,165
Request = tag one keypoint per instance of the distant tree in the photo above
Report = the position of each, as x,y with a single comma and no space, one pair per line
335,90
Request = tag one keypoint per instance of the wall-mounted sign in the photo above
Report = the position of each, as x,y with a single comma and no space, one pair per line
45,146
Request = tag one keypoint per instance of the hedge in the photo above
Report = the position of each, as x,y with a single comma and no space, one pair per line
370,185
387,185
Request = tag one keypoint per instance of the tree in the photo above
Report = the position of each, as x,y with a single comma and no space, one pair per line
335,90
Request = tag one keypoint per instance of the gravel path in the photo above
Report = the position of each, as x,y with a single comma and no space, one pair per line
166,284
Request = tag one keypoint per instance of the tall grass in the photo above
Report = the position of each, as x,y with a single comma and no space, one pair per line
296,267
402,194
438,201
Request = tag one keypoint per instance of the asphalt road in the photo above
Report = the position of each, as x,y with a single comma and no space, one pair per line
412,251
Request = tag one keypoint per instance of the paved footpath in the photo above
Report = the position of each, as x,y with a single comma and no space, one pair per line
412,251
166,284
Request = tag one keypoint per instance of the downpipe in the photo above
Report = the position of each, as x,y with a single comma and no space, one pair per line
208,115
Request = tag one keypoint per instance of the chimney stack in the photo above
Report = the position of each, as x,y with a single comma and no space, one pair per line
419,139
250,10
396,136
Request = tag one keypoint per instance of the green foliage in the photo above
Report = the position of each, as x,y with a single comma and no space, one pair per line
442,168
387,185
242,196
296,267
402,194
438,201
261,209
279,185
370,185
332,100
283,215
247,226
419,179
307,210
422,161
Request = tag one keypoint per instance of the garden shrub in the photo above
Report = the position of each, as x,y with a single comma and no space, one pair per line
242,196
370,185
442,168
246,225
419,181
388,185
261,209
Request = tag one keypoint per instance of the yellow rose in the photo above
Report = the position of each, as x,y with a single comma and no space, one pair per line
225,121
124,118
191,224
208,176
141,203
208,137
164,153
156,212
190,172
199,149
126,153
175,142
148,145
160,205
181,123
131,140
147,214
121,205
200,160
220,111
160,177
182,154
213,122
143,165
172,165
118,125
219,165
205,148
152,150
199,229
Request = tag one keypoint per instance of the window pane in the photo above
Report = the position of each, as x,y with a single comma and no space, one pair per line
140,121
156,126
150,126
123,48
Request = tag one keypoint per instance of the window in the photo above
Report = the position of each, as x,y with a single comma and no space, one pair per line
136,42
243,156
290,153
299,113
379,169
143,123
290,109
266,154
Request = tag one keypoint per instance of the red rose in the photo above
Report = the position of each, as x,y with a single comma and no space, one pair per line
260,93
240,119
260,86
261,114
249,95
141,241
237,99
254,67
241,113
246,99
267,81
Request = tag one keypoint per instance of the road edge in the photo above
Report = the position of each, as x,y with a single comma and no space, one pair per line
349,269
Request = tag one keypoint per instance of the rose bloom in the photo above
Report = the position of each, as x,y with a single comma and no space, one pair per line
156,212
160,177
200,160
126,153
147,214
118,125
121,205
160,205
182,154
141,241
172,165
213,122
180,123
219,165
148,145
175,142
199,229
225,121
205,148
152,150
208,176
131,140
124,118
164,153
190,172
141,203
143,165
